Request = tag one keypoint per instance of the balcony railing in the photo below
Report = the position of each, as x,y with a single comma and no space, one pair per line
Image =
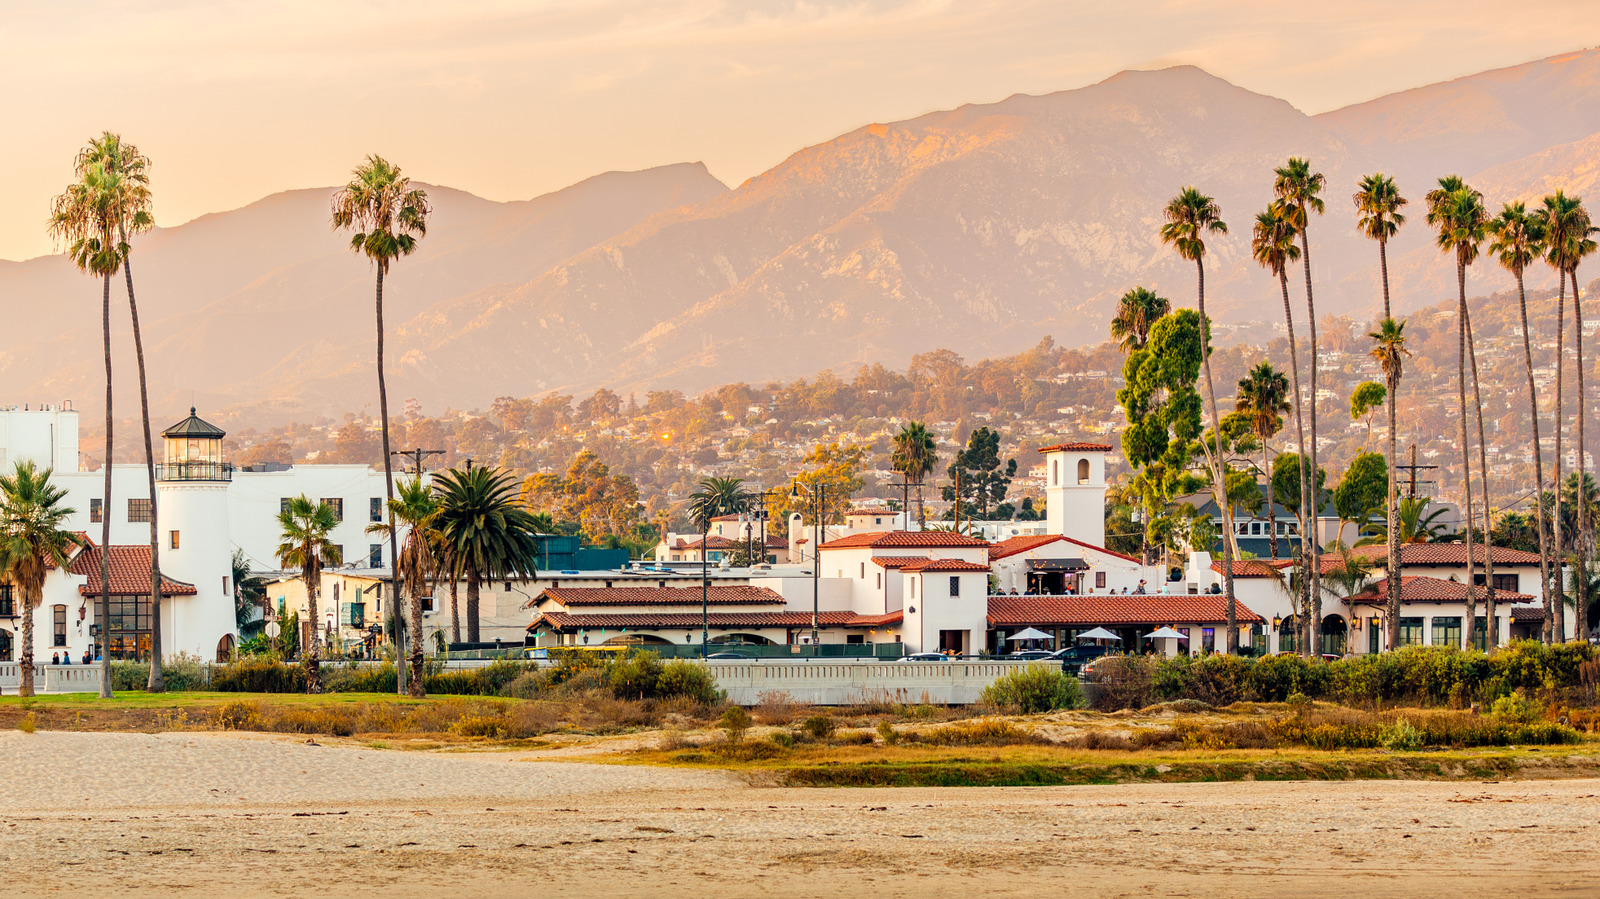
194,471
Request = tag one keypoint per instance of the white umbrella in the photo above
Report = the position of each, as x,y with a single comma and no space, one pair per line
1030,634
1099,633
1164,633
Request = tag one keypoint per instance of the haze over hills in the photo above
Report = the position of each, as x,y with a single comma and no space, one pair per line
980,229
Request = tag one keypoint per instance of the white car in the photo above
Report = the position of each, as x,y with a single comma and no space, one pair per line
926,657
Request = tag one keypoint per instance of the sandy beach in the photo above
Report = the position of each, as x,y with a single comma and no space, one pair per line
165,814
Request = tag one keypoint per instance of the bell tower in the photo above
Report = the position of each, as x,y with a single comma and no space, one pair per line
196,547
1075,490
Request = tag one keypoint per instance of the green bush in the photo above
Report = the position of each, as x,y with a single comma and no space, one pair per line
689,680
887,733
782,738
1401,737
643,676
820,727
256,674
378,678
1034,689
735,721
637,676
127,676
1516,709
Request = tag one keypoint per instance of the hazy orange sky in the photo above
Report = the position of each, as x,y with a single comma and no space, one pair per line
234,100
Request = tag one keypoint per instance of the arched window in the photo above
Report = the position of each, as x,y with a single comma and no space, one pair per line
1083,471
225,648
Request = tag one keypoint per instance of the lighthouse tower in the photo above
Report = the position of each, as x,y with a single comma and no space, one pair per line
1075,490
196,547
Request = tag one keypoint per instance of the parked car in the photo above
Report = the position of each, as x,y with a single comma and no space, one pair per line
1074,659
728,655
1031,655
926,657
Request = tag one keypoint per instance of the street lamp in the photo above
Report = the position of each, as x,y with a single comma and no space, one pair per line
818,494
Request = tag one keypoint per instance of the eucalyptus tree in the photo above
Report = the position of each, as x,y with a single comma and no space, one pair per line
1389,348
305,530
1299,189
388,216
1517,241
1263,398
1378,204
33,540
1191,217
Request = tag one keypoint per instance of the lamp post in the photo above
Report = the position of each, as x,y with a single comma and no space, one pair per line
818,495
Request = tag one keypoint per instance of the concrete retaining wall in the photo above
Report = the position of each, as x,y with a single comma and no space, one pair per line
846,682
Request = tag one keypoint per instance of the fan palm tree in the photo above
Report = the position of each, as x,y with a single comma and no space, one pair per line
304,528
1136,312
1463,223
716,496
1264,397
1299,189
249,596
388,216
32,541
1518,241
1571,239
1413,523
1191,217
1272,244
84,219
914,455
416,509
486,532
1559,218
1389,348
132,216
1378,203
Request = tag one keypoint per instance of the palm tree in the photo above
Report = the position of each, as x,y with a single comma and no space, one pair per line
1136,312
1264,397
1389,348
1574,231
132,216
487,534
304,530
249,595
84,219
1463,224
1413,524
1192,216
416,509
1518,241
1299,189
32,542
716,496
914,455
1378,204
1272,243
1558,218
388,216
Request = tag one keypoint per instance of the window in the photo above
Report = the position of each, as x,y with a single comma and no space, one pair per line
1479,635
375,510
283,505
1083,471
1055,472
1099,580
375,555
863,571
174,541
8,605
61,625
1411,632
955,585
1505,583
1288,634
337,505
138,511
335,556
880,580
1447,632
96,514
1208,639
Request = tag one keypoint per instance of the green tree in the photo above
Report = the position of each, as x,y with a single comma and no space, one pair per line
600,503
1413,523
1378,204
836,467
249,596
1137,311
487,533
914,455
1389,348
1162,407
1363,488
388,216
1517,241
1263,398
32,541
304,530
716,496
1366,399
982,476
415,510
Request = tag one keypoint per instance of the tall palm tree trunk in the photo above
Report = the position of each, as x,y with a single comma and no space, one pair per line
1558,626
1393,541
30,607
1300,437
1538,456
312,641
104,613
1272,514
157,682
1469,631
1313,515
1492,636
1585,526
1219,483
415,623
472,604
455,609
1383,268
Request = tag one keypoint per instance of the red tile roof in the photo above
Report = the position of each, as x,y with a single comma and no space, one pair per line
903,539
1133,608
562,621
130,573
1439,554
897,561
1416,588
1013,545
1257,568
741,595
713,541
1526,613
1077,446
927,565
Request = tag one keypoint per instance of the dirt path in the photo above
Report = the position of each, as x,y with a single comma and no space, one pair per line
138,814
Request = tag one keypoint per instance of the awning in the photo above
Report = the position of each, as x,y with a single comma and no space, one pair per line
1057,565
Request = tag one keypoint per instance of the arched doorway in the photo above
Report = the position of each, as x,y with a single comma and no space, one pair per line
1289,634
225,648
1334,632
5,646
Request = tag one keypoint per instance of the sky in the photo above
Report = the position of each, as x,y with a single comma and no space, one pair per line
237,99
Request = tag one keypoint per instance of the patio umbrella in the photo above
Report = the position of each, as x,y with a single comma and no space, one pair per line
1030,634
1164,633
1099,633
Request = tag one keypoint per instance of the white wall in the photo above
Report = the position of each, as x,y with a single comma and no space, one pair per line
1072,508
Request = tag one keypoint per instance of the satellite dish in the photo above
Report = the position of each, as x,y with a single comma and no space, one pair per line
273,630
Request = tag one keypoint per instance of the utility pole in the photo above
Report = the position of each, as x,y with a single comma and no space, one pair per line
1413,468
818,494
415,456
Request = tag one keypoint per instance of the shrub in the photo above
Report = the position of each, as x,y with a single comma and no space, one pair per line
379,678
1516,709
853,738
256,674
1106,739
1124,682
184,671
27,725
637,676
493,727
887,733
239,714
980,732
782,738
127,676
1219,679
818,726
1401,737
1035,689
734,722
681,678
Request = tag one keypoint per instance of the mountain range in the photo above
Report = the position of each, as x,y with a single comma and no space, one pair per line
979,229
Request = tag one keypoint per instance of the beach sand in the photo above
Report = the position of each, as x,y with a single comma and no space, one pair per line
243,816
